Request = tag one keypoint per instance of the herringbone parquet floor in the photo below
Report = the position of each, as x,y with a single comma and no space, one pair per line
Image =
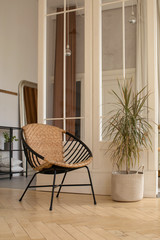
75,217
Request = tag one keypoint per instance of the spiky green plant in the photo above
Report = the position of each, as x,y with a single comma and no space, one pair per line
127,128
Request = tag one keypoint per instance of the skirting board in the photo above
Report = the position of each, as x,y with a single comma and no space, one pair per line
101,182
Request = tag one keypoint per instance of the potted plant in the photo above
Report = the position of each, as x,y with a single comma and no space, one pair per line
8,141
129,133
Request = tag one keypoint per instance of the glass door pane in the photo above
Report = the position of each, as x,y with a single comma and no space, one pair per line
112,56
54,66
55,5
130,39
74,70
75,4
112,39
65,64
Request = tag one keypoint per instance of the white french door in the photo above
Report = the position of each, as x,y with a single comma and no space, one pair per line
105,52
115,38
55,16
114,51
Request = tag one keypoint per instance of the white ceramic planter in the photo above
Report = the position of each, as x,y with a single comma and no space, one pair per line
127,187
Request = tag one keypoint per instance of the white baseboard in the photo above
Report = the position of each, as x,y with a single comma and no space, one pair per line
101,182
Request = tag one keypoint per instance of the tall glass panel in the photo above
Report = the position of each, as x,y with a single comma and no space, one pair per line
65,64
54,67
130,39
112,40
112,57
74,68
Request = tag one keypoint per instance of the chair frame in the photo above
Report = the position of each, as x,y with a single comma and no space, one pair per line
32,158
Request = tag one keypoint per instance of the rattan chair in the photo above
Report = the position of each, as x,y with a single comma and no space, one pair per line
51,150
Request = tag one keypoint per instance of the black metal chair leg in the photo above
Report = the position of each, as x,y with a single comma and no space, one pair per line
54,179
91,185
28,186
61,185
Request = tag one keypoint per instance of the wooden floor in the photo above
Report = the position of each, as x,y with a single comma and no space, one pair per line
75,217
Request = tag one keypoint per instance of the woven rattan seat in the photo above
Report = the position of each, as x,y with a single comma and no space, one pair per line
51,150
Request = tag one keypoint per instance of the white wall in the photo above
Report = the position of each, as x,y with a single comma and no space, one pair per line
18,52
